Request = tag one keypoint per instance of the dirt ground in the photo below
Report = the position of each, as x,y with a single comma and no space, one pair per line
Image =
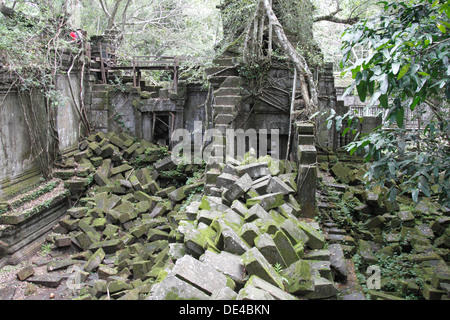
11,288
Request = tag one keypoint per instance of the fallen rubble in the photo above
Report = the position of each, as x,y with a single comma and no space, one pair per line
140,236
249,237
407,241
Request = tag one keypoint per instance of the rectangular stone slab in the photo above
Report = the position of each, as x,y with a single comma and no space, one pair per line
199,274
267,201
256,264
227,263
172,288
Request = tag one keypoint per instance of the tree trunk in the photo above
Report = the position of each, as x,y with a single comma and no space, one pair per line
112,16
291,115
305,75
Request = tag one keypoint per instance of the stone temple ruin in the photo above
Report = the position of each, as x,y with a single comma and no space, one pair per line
133,224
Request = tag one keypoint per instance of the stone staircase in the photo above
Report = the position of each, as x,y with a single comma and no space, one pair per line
27,218
225,79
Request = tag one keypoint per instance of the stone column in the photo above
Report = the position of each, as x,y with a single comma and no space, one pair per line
307,169
327,101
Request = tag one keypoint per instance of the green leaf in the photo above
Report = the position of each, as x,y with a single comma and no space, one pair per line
384,101
399,117
396,67
414,103
345,131
403,71
391,167
393,194
358,77
442,28
362,90
349,90
384,85
424,188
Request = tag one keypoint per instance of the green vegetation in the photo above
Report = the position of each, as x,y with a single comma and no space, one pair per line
406,72
30,196
279,269
46,248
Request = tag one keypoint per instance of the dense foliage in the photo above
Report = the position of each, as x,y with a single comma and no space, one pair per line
407,71
31,42
295,16
167,27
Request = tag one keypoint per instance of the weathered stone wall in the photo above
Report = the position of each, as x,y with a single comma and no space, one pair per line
330,97
19,169
68,119
326,139
132,109
16,161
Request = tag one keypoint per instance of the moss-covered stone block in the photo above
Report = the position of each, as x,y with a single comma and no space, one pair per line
256,264
249,232
299,275
285,248
267,201
95,260
269,250
316,239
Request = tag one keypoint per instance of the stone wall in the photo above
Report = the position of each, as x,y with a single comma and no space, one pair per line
137,110
326,139
68,120
330,97
19,169
17,164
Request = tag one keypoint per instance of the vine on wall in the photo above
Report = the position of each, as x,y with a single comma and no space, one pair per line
33,47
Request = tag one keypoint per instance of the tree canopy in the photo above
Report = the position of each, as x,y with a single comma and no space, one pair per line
407,71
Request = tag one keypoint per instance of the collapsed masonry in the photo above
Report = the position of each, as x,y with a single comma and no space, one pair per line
246,241
138,239
129,228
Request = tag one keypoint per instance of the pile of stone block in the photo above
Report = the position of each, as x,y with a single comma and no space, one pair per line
247,240
243,239
123,220
110,160
410,242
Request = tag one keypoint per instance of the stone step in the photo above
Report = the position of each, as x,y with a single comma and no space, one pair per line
231,53
222,128
232,82
306,139
99,94
223,110
221,71
39,205
224,119
228,100
340,239
217,81
335,230
330,224
99,87
30,198
232,91
225,61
